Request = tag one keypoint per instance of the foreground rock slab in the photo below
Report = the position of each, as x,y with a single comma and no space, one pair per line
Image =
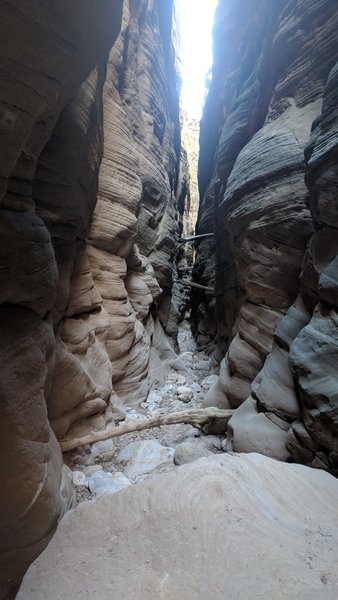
235,526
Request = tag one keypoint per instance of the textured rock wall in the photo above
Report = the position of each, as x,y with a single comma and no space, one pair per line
79,284
112,336
271,64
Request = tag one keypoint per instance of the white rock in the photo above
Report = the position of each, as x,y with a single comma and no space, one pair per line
201,365
104,450
88,471
196,387
145,456
102,482
190,451
133,416
153,409
209,381
184,393
172,377
187,356
181,380
154,397
183,389
79,478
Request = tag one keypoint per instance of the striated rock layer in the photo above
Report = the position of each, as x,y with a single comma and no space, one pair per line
271,64
87,251
243,526
112,338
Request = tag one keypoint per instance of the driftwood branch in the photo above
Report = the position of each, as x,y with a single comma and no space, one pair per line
195,285
196,417
192,238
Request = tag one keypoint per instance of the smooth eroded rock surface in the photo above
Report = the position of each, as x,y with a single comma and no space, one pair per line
268,185
240,526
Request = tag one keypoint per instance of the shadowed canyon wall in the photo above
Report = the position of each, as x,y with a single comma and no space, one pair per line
268,184
87,247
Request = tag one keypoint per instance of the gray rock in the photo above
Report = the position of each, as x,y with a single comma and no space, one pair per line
207,382
184,393
144,457
103,450
103,482
91,469
79,478
189,451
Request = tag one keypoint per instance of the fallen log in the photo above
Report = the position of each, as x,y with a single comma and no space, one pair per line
195,416
192,238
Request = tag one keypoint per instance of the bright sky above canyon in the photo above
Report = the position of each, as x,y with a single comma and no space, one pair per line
196,19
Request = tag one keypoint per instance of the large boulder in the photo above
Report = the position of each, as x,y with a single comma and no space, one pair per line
237,526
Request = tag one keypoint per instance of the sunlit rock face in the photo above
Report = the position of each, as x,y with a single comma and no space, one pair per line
86,246
121,279
271,66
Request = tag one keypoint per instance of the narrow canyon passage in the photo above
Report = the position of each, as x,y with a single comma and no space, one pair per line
168,299
113,464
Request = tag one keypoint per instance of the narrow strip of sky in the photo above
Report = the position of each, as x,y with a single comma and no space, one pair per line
195,18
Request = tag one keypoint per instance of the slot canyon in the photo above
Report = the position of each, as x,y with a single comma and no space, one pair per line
168,304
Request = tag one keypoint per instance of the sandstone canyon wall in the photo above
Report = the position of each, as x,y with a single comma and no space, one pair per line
268,185
87,251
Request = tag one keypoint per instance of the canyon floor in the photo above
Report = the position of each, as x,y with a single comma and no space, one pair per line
133,457
225,525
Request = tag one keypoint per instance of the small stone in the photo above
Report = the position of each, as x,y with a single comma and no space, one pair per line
187,356
224,445
202,365
196,387
88,471
145,456
103,450
133,416
209,381
79,478
214,442
154,397
172,377
102,482
189,451
153,409
181,380
184,393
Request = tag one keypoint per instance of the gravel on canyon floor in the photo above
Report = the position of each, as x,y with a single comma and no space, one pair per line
115,464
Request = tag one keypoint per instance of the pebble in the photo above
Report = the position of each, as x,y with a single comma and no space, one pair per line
209,381
133,416
103,482
184,393
201,365
103,450
196,387
187,356
189,451
154,397
79,478
88,471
